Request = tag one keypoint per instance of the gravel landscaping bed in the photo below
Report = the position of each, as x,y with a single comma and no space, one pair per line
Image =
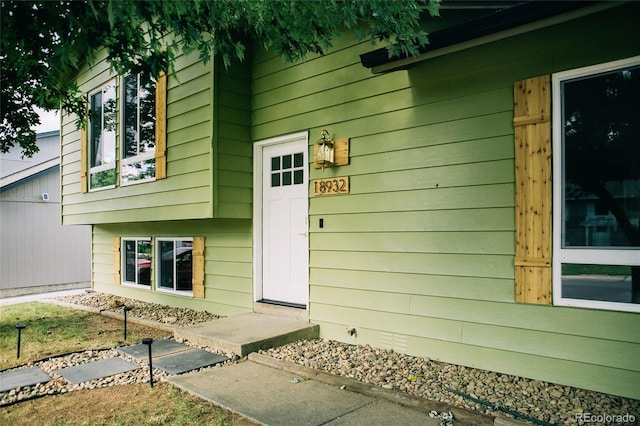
469,388
179,317
438,381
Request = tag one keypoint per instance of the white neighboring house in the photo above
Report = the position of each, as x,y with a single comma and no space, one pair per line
37,253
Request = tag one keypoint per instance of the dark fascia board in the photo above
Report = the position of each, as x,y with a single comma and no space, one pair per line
507,18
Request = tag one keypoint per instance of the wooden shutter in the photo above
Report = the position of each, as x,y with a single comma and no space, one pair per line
161,126
532,126
84,145
198,267
117,260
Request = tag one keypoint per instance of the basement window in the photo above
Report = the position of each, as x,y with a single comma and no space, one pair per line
175,264
136,258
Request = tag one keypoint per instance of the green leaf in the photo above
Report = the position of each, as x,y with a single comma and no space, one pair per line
49,42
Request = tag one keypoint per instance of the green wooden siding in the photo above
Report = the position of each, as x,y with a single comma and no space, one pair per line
233,164
187,192
228,263
419,256
208,152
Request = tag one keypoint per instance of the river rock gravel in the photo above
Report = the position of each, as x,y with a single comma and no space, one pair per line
179,317
439,381
469,388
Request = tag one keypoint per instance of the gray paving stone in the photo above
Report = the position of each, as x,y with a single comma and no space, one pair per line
96,370
191,359
24,377
158,348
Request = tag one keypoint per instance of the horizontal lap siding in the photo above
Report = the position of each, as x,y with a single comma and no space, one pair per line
186,192
233,163
228,263
419,255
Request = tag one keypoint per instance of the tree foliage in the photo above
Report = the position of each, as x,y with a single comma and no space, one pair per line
44,43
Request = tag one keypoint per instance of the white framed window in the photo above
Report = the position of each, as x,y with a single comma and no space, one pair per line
102,137
138,144
136,261
174,264
596,197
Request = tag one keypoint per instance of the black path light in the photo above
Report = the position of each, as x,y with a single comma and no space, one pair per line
125,309
148,341
19,327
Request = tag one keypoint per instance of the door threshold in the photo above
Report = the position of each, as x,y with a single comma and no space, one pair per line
283,310
285,304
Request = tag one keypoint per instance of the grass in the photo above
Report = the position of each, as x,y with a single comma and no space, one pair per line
54,330
130,405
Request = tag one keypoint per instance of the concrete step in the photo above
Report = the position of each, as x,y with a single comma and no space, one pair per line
246,333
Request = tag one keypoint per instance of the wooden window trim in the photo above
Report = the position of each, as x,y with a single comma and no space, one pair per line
198,267
84,160
117,260
161,126
533,195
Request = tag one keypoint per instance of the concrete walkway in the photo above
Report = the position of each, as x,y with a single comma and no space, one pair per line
40,297
275,392
246,333
274,397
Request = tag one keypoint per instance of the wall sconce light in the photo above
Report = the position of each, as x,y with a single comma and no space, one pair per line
324,155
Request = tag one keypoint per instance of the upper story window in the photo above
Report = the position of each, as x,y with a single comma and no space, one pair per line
102,137
138,130
597,186
140,118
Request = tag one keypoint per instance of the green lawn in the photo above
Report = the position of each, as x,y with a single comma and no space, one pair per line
53,330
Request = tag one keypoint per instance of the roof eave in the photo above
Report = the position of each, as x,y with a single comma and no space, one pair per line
519,19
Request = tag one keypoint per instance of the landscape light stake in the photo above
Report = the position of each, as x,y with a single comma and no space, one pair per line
20,327
149,341
125,309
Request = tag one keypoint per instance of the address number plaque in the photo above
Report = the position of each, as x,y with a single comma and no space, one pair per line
331,186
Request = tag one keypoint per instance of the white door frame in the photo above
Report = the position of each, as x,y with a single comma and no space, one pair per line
258,147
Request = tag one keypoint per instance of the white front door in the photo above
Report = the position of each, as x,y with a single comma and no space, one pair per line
285,209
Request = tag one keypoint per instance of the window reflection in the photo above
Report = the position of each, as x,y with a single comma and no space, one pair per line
102,137
138,145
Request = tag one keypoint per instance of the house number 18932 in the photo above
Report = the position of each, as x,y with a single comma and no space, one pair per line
337,185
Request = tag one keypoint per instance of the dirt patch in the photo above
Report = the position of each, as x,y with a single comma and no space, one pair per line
137,404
